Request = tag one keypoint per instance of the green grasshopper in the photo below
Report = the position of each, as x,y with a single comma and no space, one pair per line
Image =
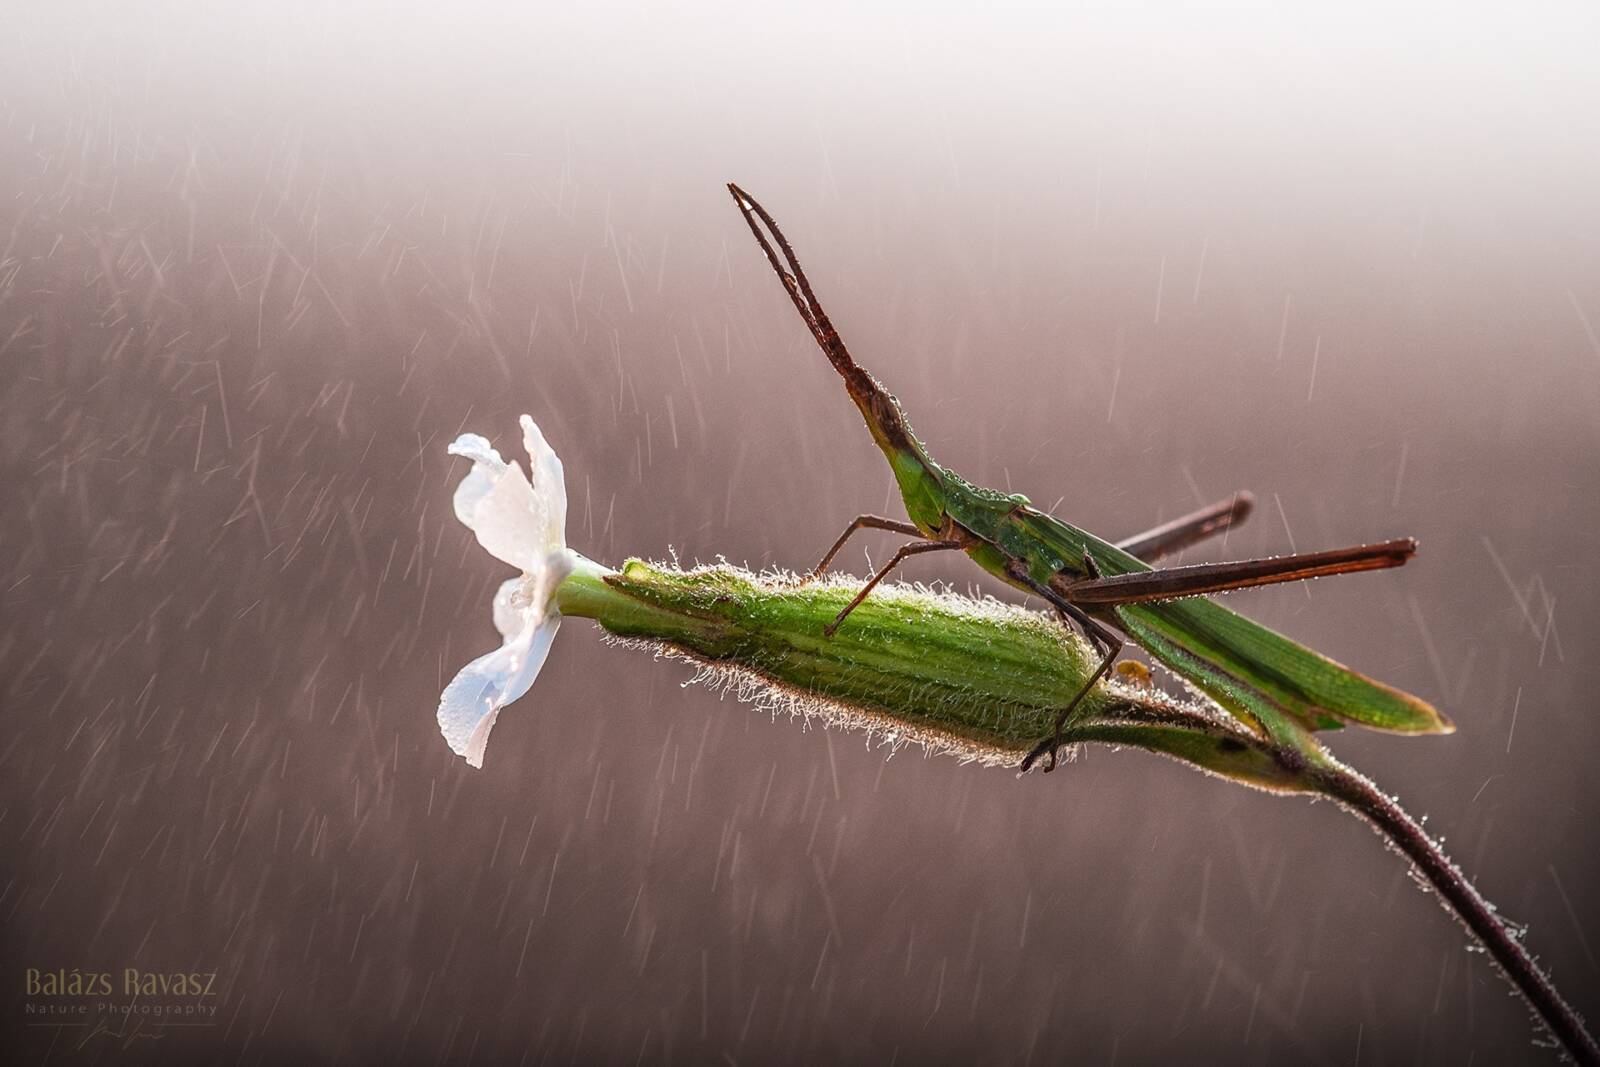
1278,687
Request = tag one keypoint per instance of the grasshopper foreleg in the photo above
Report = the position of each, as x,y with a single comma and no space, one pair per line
914,548
861,522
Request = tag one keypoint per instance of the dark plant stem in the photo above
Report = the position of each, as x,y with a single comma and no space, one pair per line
1403,832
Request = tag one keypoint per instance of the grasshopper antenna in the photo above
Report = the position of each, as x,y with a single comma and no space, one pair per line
794,280
883,415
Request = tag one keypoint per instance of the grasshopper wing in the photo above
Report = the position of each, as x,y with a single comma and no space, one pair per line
1238,661
1246,667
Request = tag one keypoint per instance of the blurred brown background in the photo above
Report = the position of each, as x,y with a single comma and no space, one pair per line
258,268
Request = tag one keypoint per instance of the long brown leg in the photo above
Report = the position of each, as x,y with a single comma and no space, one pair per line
1108,643
913,549
1191,529
1175,582
861,522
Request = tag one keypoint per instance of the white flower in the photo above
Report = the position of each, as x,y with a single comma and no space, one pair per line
524,525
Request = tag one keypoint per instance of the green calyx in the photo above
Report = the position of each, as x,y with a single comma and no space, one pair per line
977,678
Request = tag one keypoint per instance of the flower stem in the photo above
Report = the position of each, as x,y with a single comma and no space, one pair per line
1358,795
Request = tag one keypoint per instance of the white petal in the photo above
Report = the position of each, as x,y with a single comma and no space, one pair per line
511,603
472,702
487,466
505,516
549,485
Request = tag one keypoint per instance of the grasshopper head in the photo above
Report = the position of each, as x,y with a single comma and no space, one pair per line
920,479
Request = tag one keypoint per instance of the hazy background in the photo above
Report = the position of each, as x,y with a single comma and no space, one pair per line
258,268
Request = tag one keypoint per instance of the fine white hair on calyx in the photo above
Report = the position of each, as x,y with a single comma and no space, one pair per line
940,595
775,697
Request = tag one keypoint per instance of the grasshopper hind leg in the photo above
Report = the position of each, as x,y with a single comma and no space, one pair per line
1191,529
